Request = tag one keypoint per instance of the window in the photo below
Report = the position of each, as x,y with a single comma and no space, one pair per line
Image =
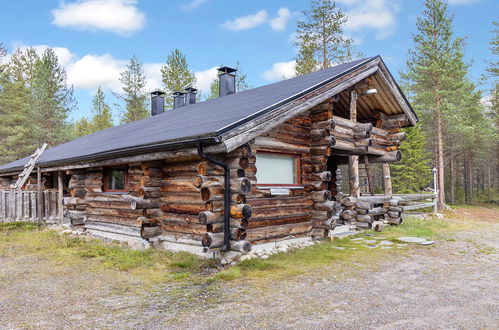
115,180
277,169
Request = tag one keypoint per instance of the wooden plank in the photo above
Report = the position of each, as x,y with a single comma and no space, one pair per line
2,205
40,195
32,204
60,193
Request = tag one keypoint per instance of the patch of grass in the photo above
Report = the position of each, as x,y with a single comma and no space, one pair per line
17,226
154,265
343,254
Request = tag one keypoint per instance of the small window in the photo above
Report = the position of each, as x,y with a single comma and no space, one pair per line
277,169
115,180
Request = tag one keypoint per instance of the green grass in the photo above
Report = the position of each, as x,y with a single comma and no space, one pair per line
354,256
150,264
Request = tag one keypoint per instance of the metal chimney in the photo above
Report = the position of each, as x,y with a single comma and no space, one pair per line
178,100
226,81
157,103
190,95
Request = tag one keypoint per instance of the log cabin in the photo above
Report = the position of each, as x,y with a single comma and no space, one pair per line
239,171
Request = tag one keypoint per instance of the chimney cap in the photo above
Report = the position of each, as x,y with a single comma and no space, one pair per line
190,89
157,93
226,69
178,93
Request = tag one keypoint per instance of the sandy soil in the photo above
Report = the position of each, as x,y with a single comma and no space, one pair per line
450,285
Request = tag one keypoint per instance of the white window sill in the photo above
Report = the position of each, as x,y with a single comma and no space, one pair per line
279,187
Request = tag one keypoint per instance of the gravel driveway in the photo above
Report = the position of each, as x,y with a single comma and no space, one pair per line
453,284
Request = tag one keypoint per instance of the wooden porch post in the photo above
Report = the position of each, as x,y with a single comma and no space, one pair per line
387,179
353,161
59,199
39,195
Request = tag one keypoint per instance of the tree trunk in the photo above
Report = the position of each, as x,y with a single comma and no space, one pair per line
387,179
452,180
440,158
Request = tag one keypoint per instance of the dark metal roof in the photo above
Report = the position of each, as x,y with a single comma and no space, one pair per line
204,121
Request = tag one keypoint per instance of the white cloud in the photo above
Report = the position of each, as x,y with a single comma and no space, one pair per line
204,78
153,74
279,23
193,4
280,70
378,15
92,71
63,54
118,16
247,22
462,2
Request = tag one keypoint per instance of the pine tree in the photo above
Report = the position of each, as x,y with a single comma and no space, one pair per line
101,112
52,101
241,83
83,127
101,116
412,174
435,76
305,61
133,82
176,76
320,37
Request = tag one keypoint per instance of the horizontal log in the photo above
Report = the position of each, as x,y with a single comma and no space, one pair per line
112,228
241,246
186,198
149,192
179,217
277,221
184,227
282,231
279,211
148,181
120,220
321,196
388,157
378,225
215,240
364,218
114,212
150,232
193,209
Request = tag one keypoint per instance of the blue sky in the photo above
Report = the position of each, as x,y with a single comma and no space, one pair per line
95,38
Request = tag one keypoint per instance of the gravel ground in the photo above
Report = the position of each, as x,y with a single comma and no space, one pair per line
452,284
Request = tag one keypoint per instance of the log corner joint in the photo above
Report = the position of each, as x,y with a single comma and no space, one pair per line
227,195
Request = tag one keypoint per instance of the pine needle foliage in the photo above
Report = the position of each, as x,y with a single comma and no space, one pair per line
320,37
176,76
135,96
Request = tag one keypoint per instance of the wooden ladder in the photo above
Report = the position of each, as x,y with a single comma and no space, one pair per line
28,168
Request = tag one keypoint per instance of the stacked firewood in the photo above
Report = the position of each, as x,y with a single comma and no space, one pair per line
325,210
393,212
210,181
371,213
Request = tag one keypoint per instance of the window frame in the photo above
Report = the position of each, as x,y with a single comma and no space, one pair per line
105,178
297,170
